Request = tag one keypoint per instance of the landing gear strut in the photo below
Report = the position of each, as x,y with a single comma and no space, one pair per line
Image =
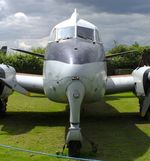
75,94
3,104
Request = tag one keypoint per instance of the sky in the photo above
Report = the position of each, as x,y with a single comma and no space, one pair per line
27,23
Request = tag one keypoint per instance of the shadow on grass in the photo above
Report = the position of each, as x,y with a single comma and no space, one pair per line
117,134
38,96
21,122
111,97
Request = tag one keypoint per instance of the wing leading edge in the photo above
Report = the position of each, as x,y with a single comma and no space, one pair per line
32,83
120,83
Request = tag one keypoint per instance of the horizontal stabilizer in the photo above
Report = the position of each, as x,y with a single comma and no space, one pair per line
15,86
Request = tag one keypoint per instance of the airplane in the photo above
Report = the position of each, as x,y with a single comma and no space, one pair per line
75,72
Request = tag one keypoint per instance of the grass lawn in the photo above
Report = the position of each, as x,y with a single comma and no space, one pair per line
38,124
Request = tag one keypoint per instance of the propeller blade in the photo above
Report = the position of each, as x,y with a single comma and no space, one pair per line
145,59
15,86
30,53
119,54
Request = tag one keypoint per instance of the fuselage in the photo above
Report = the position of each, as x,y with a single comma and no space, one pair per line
71,56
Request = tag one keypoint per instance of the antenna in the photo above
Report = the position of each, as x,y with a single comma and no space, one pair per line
75,10
75,15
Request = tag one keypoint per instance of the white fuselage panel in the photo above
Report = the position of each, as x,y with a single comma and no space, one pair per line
59,75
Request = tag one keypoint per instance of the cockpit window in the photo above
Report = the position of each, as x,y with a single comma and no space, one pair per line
53,35
85,33
62,33
65,33
69,32
97,36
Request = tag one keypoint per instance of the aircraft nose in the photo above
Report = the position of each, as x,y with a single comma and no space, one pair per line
74,51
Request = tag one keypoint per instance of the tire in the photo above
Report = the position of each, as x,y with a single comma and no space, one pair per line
141,99
147,116
74,148
3,104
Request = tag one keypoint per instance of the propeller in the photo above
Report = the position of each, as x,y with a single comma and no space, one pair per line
145,60
15,86
119,54
29,52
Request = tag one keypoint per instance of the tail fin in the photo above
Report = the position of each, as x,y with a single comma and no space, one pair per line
3,49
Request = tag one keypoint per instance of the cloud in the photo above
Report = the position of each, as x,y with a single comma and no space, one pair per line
29,43
16,19
23,45
29,23
31,20
3,5
116,6
123,28
18,25
3,9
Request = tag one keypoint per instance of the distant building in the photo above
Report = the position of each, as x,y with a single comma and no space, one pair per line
3,49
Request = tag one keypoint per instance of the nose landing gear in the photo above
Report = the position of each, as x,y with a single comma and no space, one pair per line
75,94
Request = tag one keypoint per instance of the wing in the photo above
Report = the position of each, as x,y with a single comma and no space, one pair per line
31,82
120,83
139,82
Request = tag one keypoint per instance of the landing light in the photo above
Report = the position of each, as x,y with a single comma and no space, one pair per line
76,94
75,78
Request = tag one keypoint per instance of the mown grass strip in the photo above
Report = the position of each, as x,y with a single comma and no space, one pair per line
43,153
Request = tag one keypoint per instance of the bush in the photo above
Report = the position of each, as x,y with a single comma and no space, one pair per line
23,63
127,61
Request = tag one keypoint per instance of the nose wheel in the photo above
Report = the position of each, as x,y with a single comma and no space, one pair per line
74,148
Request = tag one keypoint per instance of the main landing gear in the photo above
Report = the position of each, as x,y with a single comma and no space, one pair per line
144,102
3,104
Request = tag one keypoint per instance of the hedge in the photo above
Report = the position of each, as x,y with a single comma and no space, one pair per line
23,63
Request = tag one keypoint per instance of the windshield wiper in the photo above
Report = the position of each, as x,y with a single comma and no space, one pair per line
85,37
65,38
81,36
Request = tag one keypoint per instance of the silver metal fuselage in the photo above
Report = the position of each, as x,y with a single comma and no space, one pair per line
59,75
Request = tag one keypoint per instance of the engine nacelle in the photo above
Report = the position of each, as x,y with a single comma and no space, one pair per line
9,73
141,80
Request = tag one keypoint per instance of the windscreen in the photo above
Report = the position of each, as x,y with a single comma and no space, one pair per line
85,33
65,33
